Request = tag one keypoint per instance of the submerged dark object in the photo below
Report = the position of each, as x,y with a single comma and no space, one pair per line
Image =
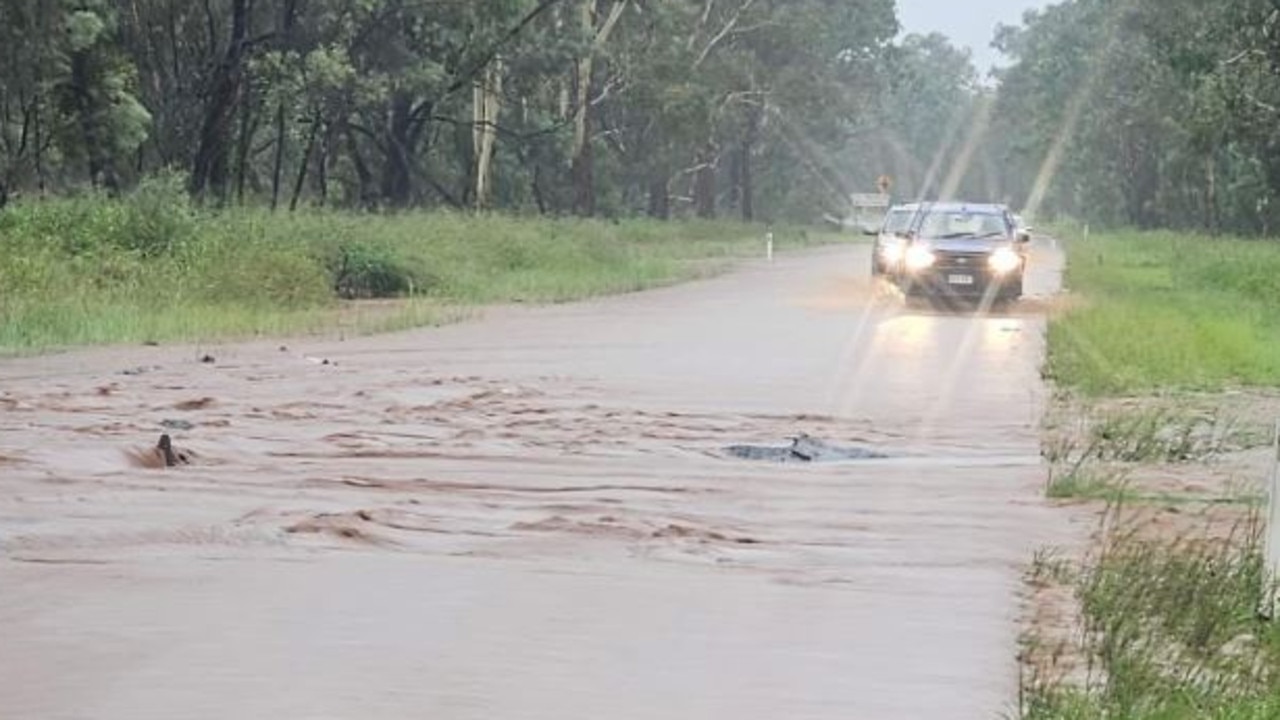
803,448
172,457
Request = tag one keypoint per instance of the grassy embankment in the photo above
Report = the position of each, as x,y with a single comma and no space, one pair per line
1163,622
152,268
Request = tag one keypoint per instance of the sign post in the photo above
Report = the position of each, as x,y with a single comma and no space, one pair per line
1271,557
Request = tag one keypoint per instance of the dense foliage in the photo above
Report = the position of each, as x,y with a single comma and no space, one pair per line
1150,113
1154,113
597,107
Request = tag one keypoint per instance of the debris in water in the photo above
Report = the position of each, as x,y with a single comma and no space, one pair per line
208,360
172,456
803,448
197,404
176,424
161,455
140,370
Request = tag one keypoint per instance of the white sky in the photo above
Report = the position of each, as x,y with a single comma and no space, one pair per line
970,23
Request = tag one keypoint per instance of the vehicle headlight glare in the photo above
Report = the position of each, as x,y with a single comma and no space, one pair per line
1004,261
891,254
920,258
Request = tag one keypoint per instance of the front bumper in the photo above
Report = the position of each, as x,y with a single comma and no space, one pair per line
962,276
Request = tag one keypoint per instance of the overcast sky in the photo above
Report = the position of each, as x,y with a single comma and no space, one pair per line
970,23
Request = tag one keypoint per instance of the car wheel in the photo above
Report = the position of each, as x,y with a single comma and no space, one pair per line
1011,291
1015,288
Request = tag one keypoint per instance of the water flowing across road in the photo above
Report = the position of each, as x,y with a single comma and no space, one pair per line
531,515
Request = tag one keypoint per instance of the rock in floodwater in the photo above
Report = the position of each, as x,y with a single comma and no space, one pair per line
803,448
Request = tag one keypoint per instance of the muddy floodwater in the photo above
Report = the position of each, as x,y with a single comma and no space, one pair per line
532,515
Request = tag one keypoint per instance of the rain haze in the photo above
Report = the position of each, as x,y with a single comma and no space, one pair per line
967,24
559,359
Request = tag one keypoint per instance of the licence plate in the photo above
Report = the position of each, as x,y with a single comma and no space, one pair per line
960,279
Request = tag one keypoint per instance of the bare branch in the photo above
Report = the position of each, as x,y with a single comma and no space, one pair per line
1241,56
607,90
724,32
1261,104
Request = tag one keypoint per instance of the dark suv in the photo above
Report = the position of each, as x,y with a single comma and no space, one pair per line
964,250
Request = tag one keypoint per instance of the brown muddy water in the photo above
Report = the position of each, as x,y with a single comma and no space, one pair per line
531,515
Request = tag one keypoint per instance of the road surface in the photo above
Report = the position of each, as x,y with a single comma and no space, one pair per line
530,515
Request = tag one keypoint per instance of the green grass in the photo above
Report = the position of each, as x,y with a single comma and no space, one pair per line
1171,633
150,267
1089,484
1163,311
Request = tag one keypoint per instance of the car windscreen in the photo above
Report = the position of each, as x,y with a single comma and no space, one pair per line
954,225
897,222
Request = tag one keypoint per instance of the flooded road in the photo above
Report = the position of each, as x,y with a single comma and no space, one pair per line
531,515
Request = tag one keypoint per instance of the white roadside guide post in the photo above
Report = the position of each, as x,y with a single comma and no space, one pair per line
1271,559
768,245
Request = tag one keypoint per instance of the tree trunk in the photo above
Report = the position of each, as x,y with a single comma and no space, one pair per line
582,165
364,178
704,186
41,180
486,105
397,175
746,174
536,187
100,170
277,169
209,170
584,181
322,165
659,197
247,127
1211,193
306,162
286,43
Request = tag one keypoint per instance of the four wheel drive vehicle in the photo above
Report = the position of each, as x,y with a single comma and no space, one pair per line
891,239
964,250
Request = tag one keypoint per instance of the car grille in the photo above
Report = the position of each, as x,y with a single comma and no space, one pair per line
975,263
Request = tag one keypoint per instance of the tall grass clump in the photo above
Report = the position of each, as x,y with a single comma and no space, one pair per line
1168,311
151,266
1172,633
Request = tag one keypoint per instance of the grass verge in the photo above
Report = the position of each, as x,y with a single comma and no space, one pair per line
150,267
1162,311
1161,619
1170,631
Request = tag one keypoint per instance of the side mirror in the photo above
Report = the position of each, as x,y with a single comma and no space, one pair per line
1024,236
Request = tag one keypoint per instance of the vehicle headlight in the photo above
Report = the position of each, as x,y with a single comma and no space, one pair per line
1004,261
919,258
891,254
